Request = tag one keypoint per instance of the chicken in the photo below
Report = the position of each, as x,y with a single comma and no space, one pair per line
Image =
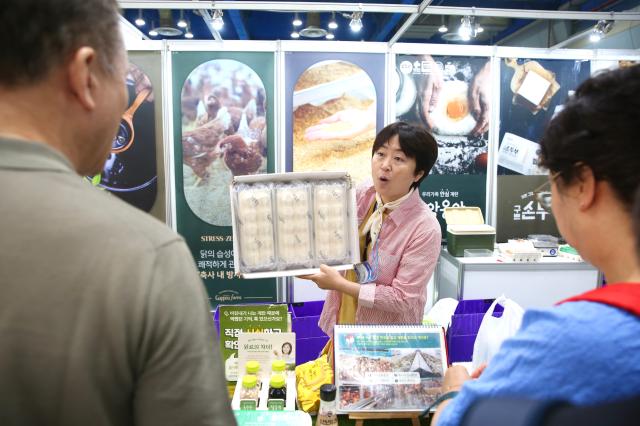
200,146
239,157
236,117
212,106
258,131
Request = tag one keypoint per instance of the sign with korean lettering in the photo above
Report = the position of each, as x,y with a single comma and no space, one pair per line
224,105
440,192
519,213
247,318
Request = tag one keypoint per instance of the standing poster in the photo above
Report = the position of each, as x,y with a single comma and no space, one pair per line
335,105
135,163
451,97
223,107
237,319
531,93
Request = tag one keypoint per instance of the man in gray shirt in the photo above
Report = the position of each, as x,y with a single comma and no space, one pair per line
103,318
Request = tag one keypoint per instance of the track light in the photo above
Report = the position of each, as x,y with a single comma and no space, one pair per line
295,34
333,24
330,36
356,22
465,29
140,20
296,20
217,22
443,28
599,30
469,28
181,22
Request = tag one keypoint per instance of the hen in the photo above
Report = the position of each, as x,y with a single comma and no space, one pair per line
200,146
241,158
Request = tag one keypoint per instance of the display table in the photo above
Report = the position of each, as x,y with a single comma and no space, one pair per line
531,285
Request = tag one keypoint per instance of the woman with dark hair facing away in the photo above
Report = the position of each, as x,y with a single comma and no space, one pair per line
399,237
585,350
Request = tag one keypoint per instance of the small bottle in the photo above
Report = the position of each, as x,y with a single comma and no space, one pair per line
278,366
277,393
253,367
327,412
249,392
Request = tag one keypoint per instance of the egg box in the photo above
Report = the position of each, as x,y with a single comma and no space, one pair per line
287,224
466,230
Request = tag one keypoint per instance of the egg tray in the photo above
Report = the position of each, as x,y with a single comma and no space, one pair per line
289,223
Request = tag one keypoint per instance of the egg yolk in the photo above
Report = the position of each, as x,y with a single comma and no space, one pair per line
457,109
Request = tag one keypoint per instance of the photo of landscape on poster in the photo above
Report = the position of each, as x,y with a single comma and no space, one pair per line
439,93
130,170
388,368
531,93
224,134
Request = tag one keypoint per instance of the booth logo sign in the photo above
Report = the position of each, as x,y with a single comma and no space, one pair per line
228,296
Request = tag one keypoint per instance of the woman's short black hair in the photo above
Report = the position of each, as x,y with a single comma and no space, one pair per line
415,141
598,128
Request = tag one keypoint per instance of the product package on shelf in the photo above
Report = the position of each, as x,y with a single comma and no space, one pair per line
266,380
288,224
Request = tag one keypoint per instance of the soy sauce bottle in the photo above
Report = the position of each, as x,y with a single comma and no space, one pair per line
277,393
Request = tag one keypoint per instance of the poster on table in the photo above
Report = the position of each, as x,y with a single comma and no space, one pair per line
223,110
532,91
519,214
450,96
334,103
134,170
238,319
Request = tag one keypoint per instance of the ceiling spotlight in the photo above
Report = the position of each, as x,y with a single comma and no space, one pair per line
153,33
181,22
356,22
295,34
333,24
599,30
330,36
296,20
217,22
479,29
443,28
465,30
140,20
188,34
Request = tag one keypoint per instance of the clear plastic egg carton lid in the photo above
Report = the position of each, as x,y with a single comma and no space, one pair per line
288,224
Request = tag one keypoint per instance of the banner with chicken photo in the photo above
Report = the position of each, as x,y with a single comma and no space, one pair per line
451,97
223,107
334,106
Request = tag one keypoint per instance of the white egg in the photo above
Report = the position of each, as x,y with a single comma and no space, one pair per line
452,115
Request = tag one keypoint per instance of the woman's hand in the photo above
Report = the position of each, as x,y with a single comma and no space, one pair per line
327,279
330,279
479,93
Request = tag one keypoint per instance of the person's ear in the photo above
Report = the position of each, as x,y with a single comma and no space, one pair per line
418,176
586,188
81,76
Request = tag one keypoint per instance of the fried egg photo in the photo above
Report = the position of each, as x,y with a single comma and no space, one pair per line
452,115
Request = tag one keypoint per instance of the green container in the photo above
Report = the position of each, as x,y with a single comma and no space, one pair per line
466,230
